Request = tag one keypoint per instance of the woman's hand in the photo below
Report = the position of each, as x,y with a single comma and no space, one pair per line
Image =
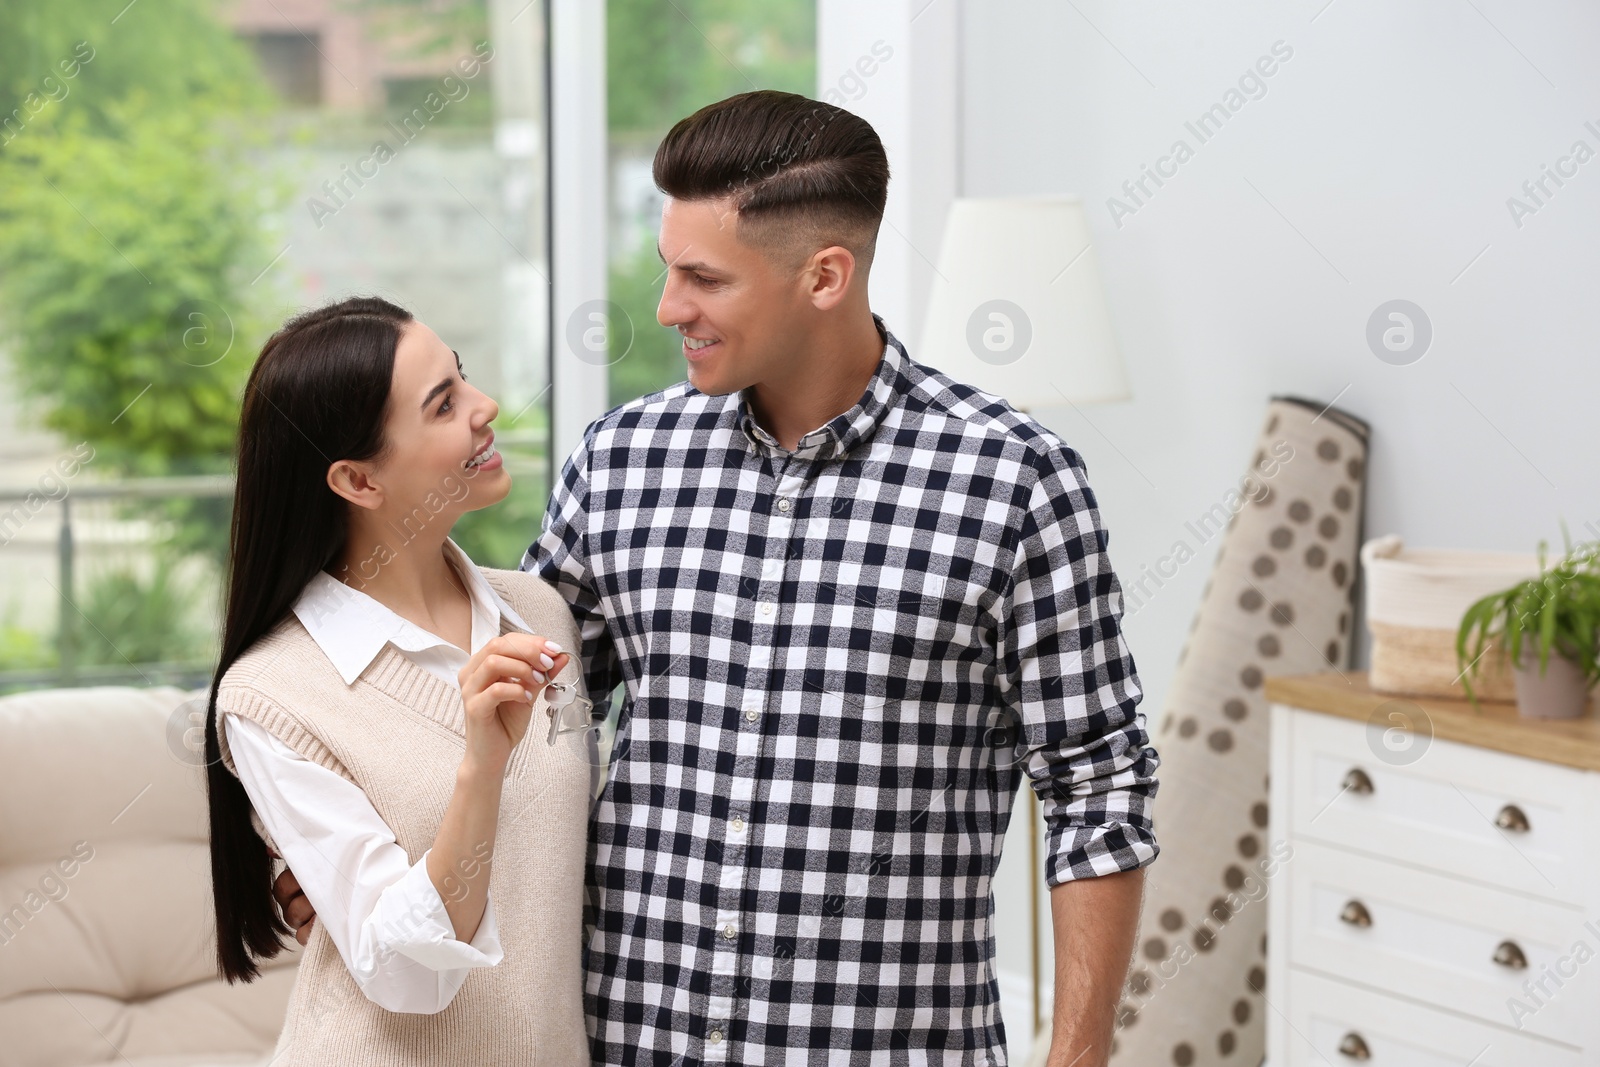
498,686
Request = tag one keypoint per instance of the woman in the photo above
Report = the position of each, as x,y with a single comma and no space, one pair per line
367,718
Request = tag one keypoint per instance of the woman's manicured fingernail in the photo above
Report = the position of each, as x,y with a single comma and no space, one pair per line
553,647
529,694
547,661
538,676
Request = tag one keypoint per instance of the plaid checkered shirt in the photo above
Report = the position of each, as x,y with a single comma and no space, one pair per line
838,664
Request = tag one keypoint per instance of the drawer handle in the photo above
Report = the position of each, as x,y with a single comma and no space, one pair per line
1353,1046
1508,954
1356,781
1512,818
1356,914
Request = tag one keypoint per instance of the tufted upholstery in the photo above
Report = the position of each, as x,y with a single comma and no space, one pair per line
105,900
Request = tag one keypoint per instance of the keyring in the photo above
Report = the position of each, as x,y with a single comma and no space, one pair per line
569,712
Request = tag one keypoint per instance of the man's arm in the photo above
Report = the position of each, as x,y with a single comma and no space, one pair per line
1067,672
560,556
1096,921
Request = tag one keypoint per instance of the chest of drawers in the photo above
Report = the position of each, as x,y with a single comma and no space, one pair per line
1440,902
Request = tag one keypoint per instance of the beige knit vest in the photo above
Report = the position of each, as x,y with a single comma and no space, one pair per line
397,732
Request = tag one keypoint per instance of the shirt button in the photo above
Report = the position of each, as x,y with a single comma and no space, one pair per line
766,607
715,1037
729,932
738,825
783,505
751,714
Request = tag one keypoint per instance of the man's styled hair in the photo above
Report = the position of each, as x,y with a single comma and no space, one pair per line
802,174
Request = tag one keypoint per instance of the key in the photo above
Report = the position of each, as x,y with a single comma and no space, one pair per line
569,713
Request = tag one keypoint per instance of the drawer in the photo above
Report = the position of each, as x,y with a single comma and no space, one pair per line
1433,938
1441,810
1325,1014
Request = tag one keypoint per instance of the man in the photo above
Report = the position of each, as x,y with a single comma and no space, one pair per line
850,601
834,584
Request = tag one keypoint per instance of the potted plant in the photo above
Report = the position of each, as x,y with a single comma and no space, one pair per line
1548,626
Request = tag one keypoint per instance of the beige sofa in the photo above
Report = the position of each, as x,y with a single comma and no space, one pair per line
105,902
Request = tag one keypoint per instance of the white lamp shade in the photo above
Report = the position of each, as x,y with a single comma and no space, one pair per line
1017,308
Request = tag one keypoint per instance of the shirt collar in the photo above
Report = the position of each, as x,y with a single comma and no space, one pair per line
838,436
352,627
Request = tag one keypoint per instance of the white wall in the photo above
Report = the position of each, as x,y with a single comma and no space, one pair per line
1377,165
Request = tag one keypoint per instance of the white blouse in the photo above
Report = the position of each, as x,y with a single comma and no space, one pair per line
383,913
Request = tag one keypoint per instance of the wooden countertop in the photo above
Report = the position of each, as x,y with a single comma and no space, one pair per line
1570,742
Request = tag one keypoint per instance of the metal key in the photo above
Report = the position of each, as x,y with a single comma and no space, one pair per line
569,712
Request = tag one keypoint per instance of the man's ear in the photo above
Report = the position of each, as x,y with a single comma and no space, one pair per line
353,481
827,276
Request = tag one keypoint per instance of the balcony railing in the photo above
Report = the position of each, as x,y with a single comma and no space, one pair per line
70,618
525,454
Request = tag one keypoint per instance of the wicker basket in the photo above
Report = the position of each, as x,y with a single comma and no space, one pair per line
1415,600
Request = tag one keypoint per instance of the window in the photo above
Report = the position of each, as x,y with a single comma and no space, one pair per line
176,187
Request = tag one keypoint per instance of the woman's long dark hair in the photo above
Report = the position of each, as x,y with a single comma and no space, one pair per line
318,393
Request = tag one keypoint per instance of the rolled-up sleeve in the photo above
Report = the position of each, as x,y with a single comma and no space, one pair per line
1065,671
561,557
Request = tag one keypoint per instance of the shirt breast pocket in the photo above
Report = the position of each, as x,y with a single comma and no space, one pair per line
934,626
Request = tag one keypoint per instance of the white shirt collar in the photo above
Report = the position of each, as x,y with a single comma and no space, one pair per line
351,627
